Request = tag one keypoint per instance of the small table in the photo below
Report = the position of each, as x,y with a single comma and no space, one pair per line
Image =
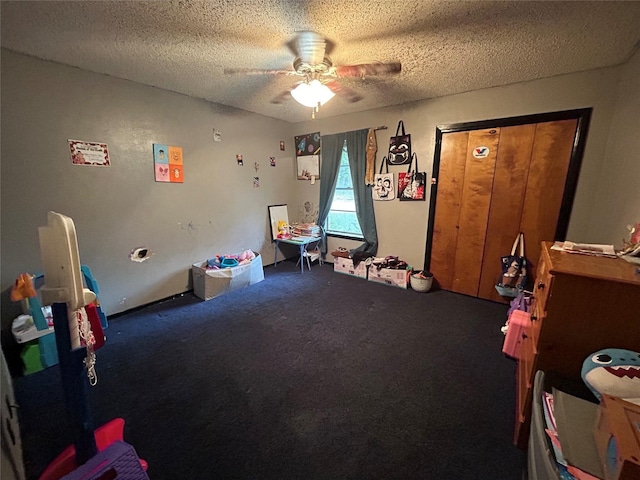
302,242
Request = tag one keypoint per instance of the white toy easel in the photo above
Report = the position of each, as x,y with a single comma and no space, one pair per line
64,291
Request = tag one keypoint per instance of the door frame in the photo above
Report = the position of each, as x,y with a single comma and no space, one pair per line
583,115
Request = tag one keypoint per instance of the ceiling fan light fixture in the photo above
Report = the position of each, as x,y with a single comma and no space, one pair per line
311,94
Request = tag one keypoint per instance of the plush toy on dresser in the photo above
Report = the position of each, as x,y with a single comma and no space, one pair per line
613,372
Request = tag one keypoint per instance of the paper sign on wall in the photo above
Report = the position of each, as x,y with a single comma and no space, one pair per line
89,153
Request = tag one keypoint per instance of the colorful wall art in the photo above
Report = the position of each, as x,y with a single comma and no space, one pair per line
168,163
308,156
308,144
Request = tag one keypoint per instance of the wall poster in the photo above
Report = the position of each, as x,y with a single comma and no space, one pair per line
89,153
308,156
168,164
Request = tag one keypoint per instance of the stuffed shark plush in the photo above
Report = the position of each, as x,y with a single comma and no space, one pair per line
613,372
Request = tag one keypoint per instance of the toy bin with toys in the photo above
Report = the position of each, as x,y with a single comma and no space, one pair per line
225,273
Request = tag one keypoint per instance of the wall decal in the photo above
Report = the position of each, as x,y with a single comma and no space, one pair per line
308,212
481,152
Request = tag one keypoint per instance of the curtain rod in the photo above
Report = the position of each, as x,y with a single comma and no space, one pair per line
381,127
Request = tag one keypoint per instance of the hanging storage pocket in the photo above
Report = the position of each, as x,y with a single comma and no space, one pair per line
383,185
411,184
400,146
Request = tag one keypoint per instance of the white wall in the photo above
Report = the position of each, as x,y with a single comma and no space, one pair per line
217,210
402,226
119,208
617,198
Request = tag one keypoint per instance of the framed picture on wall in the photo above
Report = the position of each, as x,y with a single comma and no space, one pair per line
277,214
308,156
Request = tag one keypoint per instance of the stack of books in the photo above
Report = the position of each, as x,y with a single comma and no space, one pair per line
595,250
305,230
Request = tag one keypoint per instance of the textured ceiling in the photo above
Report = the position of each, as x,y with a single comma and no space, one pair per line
445,47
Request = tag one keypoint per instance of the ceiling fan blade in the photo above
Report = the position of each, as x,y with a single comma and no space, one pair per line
349,95
368,69
256,71
310,47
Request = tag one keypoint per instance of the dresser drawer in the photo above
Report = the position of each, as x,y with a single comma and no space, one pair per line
524,380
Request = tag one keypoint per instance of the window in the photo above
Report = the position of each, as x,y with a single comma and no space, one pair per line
342,220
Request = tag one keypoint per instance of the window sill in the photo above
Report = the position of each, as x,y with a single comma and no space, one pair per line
345,236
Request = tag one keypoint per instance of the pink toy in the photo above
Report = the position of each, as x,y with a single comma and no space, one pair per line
518,323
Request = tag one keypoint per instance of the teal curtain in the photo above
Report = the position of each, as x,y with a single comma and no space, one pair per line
357,151
331,155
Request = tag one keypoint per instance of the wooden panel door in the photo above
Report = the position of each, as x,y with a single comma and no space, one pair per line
545,186
445,234
507,200
482,204
474,210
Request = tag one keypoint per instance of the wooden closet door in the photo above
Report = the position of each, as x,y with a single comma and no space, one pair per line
546,183
453,156
531,172
482,204
474,211
464,196
507,200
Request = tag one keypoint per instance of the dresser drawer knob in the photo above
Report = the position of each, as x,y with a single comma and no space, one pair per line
533,318
524,336
540,286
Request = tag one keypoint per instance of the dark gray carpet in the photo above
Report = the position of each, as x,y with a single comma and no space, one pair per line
314,376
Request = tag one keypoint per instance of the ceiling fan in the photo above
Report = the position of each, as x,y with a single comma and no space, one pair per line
319,76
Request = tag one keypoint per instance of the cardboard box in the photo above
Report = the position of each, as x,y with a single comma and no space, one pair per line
345,265
208,284
619,421
389,276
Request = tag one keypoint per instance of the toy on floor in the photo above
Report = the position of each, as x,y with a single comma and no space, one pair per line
614,372
106,435
229,260
34,329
